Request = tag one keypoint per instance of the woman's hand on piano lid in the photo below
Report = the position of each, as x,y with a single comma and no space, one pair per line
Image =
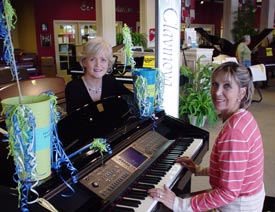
188,163
164,195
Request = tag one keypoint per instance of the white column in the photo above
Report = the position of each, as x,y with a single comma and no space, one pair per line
147,18
106,20
168,29
229,9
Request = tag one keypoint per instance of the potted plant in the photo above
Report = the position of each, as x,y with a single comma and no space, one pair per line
195,98
138,39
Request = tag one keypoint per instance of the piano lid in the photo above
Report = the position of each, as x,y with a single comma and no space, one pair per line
223,46
117,47
95,120
257,40
220,45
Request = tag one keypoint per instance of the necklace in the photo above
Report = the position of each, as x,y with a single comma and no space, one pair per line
95,90
92,90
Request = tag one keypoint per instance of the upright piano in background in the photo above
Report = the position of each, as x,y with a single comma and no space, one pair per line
143,156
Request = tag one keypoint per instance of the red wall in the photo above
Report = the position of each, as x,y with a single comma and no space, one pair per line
48,10
128,12
214,15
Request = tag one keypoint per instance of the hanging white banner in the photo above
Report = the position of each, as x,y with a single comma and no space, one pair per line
168,51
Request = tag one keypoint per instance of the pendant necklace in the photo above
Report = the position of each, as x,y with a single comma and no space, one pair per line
91,90
95,90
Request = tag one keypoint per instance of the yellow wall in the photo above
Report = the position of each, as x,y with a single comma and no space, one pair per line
24,36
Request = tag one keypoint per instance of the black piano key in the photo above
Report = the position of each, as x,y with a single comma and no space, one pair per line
143,186
157,173
168,159
172,157
165,161
138,192
176,151
149,181
122,209
136,196
129,202
151,178
162,167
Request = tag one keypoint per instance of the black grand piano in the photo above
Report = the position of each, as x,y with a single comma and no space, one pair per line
143,156
257,46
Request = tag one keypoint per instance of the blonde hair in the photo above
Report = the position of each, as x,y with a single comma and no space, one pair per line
95,46
242,75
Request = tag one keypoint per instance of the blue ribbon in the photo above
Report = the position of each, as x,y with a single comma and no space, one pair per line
58,155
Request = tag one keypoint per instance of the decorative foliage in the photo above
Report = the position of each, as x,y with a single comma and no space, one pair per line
59,156
160,80
101,145
138,39
127,41
21,126
149,96
245,21
7,22
195,99
142,96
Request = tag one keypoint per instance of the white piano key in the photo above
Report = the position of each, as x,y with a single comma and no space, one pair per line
149,203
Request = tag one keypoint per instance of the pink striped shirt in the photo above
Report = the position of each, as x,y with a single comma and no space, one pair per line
236,163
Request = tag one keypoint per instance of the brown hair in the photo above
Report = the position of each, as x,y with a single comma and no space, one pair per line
242,75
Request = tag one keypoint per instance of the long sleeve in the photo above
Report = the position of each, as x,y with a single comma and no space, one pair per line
236,164
76,95
182,205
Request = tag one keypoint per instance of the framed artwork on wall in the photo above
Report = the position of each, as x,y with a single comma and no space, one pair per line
46,40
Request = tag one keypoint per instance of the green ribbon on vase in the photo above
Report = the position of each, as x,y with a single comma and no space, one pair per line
144,90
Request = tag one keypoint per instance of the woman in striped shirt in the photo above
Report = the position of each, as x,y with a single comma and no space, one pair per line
237,158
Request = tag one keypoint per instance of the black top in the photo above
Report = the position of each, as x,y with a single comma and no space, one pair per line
77,95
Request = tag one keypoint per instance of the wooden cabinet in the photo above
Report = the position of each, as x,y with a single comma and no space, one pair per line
67,35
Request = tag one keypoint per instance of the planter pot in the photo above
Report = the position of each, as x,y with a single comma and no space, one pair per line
41,138
144,90
193,120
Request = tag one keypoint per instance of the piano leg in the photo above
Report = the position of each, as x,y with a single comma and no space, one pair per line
256,85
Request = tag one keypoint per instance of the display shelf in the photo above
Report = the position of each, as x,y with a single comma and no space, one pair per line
68,34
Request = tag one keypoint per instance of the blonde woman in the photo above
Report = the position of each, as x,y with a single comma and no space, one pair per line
96,60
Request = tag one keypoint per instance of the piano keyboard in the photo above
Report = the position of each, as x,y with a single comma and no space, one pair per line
165,172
